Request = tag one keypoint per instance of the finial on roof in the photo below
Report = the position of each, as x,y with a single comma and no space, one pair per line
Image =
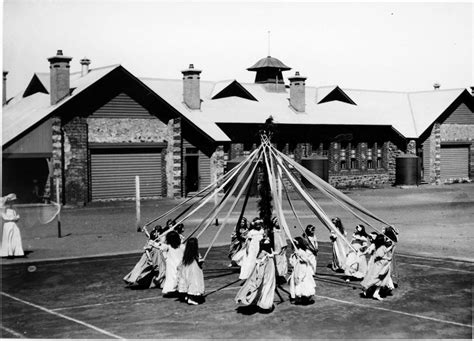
59,53
436,86
268,43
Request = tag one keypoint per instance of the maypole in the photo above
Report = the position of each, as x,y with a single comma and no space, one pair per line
264,204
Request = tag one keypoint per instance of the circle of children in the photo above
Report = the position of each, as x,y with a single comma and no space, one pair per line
175,266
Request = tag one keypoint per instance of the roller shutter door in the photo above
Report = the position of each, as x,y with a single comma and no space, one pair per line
454,162
113,174
204,170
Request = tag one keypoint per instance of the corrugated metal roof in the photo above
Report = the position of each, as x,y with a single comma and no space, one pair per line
269,62
406,112
24,112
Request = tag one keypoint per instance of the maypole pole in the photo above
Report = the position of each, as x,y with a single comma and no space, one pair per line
264,204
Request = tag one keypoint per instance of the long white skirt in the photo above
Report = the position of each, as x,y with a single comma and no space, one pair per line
11,240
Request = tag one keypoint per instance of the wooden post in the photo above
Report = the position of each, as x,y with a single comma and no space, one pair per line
137,201
58,199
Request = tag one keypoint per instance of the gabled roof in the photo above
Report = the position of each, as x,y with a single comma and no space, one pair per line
233,88
384,108
35,85
21,113
409,114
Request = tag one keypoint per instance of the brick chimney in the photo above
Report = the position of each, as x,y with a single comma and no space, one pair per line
85,66
297,92
191,88
4,100
436,86
59,76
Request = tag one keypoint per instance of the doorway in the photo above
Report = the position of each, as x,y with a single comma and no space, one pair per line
191,173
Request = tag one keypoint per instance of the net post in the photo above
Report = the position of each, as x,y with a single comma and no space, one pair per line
137,202
58,199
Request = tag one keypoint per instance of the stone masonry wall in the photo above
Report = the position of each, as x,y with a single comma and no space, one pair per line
75,161
126,130
56,159
174,159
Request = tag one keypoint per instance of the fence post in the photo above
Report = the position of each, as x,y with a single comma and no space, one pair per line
58,200
137,201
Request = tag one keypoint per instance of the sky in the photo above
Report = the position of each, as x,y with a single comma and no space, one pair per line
401,46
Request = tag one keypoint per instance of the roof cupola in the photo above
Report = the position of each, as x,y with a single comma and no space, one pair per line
269,71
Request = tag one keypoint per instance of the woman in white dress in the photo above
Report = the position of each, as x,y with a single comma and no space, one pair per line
190,276
11,240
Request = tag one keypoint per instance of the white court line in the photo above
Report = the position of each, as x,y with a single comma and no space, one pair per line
395,311
63,316
422,265
438,267
105,303
11,331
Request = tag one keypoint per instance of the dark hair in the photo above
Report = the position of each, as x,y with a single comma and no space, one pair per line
155,233
179,228
265,245
173,239
362,232
379,241
301,243
338,223
390,233
191,251
308,228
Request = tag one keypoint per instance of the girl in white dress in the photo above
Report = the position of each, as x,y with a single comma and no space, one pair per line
173,253
302,284
190,276
259,289
11,240
254,236
338,247
356,261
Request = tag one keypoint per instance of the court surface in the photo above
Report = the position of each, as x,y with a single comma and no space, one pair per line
86,298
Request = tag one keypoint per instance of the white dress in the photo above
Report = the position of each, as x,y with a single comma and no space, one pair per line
11,240
302,283
173,258
253,246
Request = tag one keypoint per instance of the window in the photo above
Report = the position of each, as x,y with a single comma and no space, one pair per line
370,162
379,158
342,162
354,163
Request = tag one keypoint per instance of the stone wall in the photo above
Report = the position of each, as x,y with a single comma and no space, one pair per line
126,130
75,161
359,180
174,159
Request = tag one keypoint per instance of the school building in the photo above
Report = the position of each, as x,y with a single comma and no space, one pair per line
93,131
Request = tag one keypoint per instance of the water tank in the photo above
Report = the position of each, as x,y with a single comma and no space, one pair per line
407,170
233,163
318,165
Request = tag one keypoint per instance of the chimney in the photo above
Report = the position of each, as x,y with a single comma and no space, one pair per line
297,92
436,86
472,89
5,73
85,66
191,91
59,76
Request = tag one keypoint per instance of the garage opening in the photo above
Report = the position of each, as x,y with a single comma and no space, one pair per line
113,172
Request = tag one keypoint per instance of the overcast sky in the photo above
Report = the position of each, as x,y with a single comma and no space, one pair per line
380,46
